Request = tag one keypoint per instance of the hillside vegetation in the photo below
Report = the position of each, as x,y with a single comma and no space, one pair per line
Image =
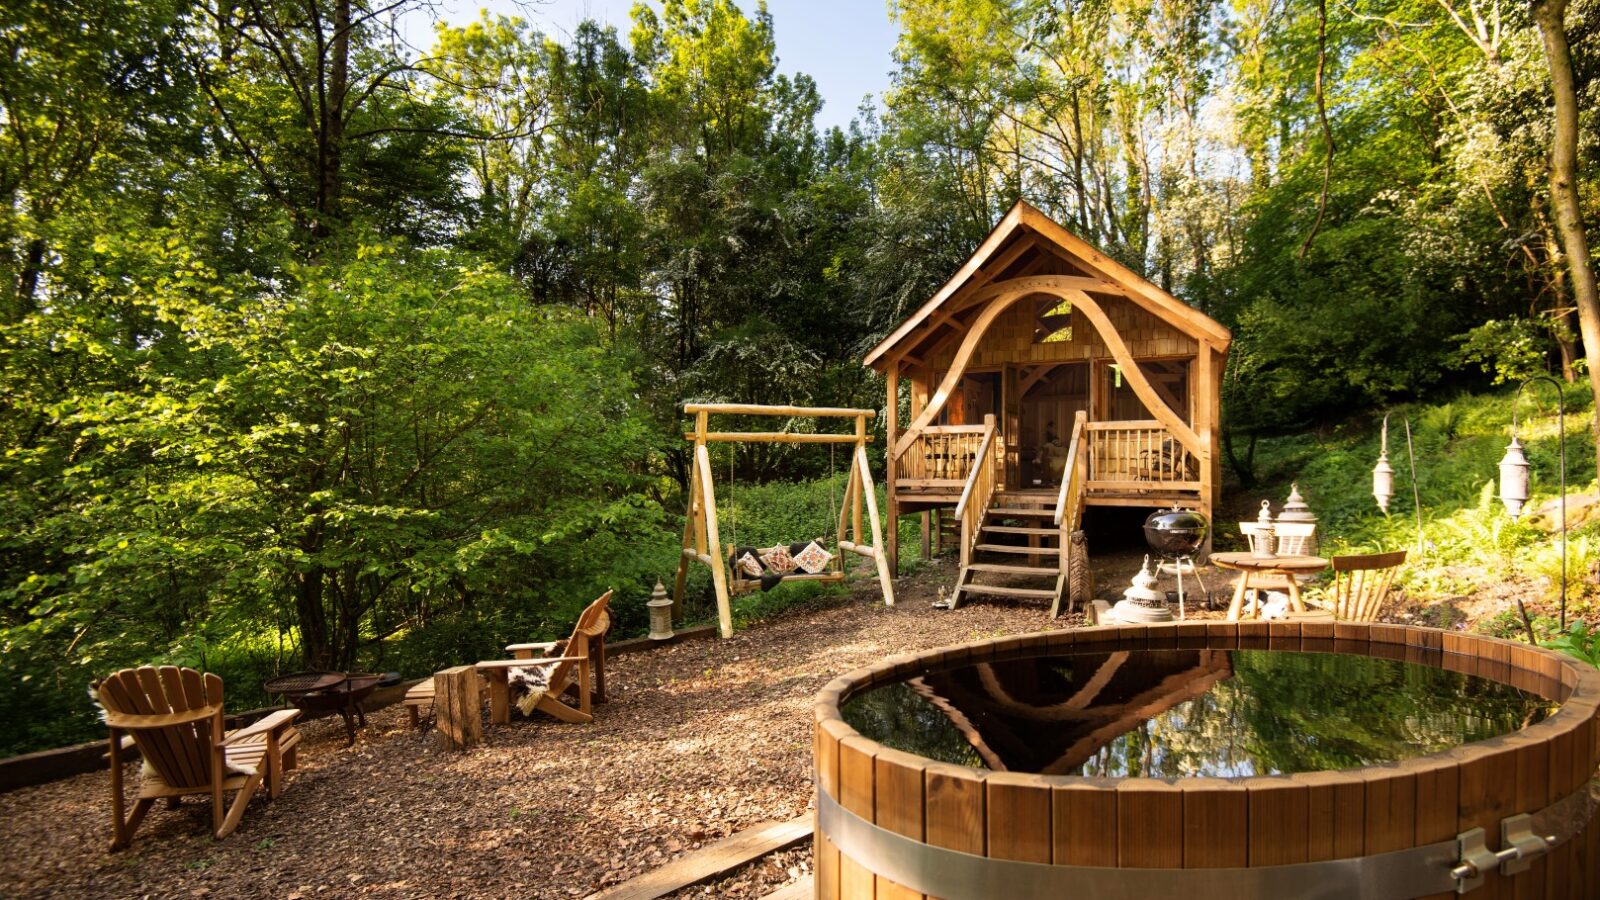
1474,558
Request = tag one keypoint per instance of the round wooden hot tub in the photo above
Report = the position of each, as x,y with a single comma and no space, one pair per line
1506,816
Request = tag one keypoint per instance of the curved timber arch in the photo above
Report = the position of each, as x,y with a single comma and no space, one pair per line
1003,295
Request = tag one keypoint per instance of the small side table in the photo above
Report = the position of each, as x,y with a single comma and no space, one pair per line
1249,564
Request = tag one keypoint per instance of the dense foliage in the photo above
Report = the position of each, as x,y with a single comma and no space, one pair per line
320,349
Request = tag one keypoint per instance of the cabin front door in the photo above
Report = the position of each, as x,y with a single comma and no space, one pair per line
1051,398
1011,422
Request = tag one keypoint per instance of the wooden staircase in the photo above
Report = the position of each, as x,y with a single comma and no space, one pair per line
1011,541
1018,553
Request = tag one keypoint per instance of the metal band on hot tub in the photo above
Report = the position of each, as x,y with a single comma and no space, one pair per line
954,875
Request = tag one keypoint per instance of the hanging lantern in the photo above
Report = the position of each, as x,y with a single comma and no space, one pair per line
1514,478
1383,473
1383,482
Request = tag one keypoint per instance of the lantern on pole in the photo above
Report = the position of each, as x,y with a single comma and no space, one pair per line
1514,478
1383,476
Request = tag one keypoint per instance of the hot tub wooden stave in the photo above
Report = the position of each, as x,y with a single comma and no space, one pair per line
1227,823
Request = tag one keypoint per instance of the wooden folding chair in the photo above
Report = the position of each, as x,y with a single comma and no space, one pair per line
174,716
1361,583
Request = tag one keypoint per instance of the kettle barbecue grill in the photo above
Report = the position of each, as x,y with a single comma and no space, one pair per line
1176,535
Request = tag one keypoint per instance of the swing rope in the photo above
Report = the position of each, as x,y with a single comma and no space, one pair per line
733,503
833,488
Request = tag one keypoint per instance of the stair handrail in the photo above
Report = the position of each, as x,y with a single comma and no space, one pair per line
1069,503
1069,474
980,483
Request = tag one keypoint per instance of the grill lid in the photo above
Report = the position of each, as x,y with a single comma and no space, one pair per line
1176,531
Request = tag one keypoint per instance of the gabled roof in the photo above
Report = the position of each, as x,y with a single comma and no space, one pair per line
1022,235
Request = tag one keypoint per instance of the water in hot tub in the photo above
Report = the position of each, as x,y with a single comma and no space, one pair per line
1176,713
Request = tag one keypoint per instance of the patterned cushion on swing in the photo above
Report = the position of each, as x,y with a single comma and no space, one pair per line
813,558
778,560
749,565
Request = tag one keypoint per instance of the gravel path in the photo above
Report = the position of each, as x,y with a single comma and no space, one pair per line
699,741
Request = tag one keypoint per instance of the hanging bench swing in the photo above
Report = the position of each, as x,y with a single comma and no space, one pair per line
702,540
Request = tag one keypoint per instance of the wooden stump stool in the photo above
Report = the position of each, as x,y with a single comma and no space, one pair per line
457,707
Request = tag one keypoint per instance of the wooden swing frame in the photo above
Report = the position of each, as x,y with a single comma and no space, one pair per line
701,539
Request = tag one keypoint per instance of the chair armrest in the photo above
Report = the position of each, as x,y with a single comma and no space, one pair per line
543,646
520,663
273,722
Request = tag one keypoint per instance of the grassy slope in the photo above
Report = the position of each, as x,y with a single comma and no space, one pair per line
1475,559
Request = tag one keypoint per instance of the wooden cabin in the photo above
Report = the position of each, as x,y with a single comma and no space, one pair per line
1046,378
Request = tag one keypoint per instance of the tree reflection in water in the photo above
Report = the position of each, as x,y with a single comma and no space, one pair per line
1177,713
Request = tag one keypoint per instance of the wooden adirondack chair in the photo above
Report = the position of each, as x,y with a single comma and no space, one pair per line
587,640
582,655
174,717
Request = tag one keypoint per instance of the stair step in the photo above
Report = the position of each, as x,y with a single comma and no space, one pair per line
997,590
1003,569
1009,548
1021,511
1019,529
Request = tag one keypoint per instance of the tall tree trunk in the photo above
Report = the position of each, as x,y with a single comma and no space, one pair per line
311,615
1550,15
330,149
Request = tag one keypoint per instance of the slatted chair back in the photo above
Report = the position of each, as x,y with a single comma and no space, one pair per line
591,628
174,716
1360,584
1293,538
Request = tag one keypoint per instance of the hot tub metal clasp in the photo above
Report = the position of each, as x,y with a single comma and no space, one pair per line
1520,845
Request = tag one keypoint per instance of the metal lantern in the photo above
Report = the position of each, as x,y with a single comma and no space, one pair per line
1295,509
1266,534
1514,478
1383,481
660,614
1142,603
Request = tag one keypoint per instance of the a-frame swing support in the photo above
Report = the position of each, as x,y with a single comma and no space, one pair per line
702,540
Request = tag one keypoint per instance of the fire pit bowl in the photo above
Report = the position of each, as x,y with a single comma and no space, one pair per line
320,693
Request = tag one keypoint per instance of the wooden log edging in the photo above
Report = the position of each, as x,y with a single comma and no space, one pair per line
1350,815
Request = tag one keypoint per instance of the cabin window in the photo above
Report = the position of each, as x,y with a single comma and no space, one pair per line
1052,321
1169,378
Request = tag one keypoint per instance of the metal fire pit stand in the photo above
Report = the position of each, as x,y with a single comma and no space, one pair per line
327,692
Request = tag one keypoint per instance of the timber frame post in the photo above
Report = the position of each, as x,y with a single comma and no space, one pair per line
702,540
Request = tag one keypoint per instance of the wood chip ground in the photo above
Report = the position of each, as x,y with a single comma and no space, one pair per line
699,741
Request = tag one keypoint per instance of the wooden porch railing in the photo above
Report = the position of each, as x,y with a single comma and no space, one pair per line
1141,455
941,456
1069,504
978,490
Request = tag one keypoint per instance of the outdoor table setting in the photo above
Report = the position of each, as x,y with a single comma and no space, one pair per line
1288,567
